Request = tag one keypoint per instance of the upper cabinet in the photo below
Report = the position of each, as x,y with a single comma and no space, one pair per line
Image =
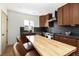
68,14
44,20
59,16
74,11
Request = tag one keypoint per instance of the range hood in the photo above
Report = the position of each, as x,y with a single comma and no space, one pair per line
53,19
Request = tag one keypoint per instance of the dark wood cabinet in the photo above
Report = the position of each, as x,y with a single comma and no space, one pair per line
68,14
68,40
78,48
59,16
42,20
74,12
58,38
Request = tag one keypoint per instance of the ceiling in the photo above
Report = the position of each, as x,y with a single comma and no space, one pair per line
33,8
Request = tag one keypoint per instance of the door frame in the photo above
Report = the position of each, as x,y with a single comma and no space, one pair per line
6,29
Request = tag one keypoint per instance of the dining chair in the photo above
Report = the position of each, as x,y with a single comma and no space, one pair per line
19,50
27,45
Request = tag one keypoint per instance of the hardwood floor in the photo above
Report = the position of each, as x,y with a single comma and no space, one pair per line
9,51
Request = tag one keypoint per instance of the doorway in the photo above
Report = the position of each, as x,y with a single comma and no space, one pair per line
4,31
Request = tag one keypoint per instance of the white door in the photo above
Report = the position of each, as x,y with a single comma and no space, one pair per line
3,31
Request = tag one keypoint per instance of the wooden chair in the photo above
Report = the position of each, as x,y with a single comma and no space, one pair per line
19,50
27,45
21,39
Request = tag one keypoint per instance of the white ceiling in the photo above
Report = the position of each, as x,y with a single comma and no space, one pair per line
33,8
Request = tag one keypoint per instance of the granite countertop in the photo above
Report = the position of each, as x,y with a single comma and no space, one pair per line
69,36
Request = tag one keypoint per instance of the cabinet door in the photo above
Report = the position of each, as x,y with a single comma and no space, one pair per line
64,40
78,47
61,39
66,14
73,42
42,21
70,41
59,16
57,38
69,14
74,13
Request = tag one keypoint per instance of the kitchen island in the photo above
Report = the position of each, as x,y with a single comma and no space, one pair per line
47,47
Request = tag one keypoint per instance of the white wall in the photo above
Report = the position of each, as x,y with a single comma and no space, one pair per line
15,21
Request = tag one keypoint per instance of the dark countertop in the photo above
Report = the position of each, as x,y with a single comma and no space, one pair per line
69,36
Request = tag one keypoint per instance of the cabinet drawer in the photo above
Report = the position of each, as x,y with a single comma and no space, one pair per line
70,41
66,40
58,38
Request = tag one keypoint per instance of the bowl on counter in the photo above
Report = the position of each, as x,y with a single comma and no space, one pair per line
67,33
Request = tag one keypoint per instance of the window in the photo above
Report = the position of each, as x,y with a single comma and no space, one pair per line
28,25
26,22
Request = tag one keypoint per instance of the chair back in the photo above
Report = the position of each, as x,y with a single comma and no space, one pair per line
22,39
19,49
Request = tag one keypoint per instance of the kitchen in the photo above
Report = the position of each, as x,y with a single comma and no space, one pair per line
60,28
63,26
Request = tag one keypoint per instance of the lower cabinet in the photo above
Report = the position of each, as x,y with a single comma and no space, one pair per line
78,48
68,40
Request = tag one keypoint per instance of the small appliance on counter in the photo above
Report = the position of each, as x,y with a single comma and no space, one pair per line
48,35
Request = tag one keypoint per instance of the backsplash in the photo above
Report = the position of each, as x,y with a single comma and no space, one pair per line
57,29
36,29
40,29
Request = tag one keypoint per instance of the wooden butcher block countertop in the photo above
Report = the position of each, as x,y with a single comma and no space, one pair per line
46,47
